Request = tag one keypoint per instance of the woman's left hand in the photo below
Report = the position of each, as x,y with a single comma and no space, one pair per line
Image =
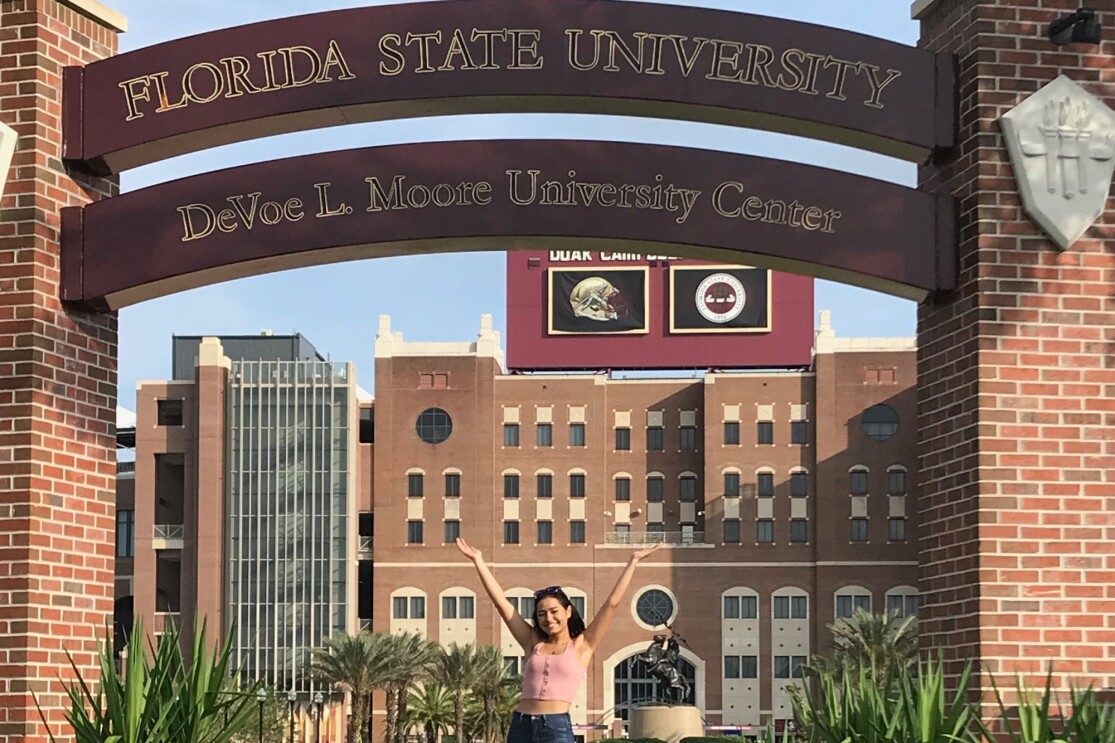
640,554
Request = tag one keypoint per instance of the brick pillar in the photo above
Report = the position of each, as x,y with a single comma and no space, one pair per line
57,384
1017,379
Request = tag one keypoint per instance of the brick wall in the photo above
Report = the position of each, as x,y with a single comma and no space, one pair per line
1017,380
57,387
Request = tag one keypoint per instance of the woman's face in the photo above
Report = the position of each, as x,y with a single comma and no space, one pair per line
550,616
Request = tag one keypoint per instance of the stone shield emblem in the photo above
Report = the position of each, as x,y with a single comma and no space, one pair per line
1061,142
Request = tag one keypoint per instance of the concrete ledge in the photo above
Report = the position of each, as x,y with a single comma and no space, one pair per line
98,12
920,8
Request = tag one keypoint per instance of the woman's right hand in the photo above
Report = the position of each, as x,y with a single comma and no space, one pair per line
468,550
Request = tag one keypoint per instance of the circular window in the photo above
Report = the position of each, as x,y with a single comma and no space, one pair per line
880,422
434,425
654,607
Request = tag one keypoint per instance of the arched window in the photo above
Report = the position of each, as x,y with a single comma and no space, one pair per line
902,601
851,598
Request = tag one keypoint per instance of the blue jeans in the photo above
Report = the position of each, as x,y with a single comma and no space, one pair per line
540,728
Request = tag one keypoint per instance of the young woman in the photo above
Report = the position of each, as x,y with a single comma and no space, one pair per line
558,647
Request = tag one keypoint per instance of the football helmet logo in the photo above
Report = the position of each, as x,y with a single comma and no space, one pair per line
597,299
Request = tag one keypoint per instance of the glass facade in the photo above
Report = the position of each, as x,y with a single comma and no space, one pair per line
290,463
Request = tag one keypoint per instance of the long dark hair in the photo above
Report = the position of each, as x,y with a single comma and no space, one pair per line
576,623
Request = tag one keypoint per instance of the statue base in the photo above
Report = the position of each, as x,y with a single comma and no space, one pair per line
670,724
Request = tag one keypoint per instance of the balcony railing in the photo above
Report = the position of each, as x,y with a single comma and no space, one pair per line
365,545
169,531
654,537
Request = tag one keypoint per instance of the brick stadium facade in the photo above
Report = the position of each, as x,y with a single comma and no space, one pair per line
781,494
1014,378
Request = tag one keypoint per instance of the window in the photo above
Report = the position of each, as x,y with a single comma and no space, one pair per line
412,607
623,528
578,604
799,530
433,425
859,530
545,485
577,486
896,482
576,434
688,492
656,490
510,434
688,436
414,532
576,532
799,484
731,484
623,439
452,530
623,488
655,439
466,607
448,607
452,485
731,531
858,481
902,605
765,433
169,412
764,482
741,607
415,485
513,664
656,527
544,434
896,529
799,432
879,422
789,666
545,532
731,433
846,605
125,533
741,666
764,531
791,607
654,607
510,532
510,486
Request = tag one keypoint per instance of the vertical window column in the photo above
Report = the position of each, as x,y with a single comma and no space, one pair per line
799,425
896,504
731,425
764,425
858,518
544,427
656,439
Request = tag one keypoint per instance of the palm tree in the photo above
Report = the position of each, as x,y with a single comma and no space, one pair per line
412,659
356,664
876,642
458,671
490,688
431,709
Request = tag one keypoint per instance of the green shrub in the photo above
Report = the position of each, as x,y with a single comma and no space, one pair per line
1041,719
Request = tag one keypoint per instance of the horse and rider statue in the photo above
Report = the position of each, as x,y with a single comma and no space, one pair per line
663,659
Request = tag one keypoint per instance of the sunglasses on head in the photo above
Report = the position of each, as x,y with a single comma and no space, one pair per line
548,591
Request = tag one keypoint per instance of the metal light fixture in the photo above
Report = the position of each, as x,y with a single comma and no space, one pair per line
1083,27
291,700
261,697
319,702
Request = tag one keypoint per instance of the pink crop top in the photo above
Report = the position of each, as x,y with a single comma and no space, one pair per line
553,677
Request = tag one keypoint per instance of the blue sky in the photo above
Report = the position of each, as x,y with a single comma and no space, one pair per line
442,297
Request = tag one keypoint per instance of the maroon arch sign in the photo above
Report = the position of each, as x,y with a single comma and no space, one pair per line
454,196
483,56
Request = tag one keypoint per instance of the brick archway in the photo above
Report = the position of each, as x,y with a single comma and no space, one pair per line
1016,378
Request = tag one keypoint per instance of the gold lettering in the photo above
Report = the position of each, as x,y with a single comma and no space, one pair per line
268,59
189,230
489,37
686,61
719,60
791,63
389,200
809,220
395,53
236,69
159,81
324,209
334,58
759,57
519,48
809,86
841,77
876,86
658,43
717,198
574,43
292,80
133,95
458,47
633,59
191,91
424,49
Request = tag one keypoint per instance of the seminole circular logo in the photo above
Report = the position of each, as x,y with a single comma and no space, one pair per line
720,298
